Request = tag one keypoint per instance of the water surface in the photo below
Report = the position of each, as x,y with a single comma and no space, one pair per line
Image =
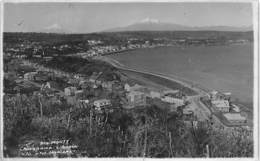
224,68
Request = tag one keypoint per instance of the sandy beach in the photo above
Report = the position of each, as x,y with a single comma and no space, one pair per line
163,78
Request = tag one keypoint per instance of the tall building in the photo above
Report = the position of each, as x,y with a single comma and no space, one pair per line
136,98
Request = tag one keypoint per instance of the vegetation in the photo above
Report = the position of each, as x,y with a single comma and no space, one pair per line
149,131
111,38
83,66
142,131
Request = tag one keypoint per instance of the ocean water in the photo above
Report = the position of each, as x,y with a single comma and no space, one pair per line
224,68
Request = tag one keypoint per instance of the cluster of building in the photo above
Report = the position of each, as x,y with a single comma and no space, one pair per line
98,49
174,96
102,104
76,86
74,91
133,94
100,46
94,42
221,102
39,76
137,95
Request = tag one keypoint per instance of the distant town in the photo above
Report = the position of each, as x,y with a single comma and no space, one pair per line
63,97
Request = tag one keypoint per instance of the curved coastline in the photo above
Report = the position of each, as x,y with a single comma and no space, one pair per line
201,90
191,85
207,69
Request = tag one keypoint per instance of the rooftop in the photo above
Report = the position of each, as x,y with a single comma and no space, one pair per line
170,91
220,103
234,116
102,100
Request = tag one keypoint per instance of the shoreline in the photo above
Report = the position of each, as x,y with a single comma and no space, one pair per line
239,99
188,84
201,91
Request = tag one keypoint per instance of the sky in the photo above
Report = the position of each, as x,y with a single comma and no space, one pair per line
95,17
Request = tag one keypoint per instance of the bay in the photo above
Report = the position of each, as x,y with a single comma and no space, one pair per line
227,68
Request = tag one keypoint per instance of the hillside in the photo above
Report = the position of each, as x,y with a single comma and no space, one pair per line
156,25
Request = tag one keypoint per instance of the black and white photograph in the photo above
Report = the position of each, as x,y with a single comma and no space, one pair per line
111,79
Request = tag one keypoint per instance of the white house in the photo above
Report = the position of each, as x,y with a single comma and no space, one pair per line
101,103
170,99
135,87
29,76
155,94
127,87
213,95
108,85
221,105
235,118
86,101
136,98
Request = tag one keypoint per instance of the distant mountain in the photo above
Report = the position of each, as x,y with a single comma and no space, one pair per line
155,25
54,28
224,28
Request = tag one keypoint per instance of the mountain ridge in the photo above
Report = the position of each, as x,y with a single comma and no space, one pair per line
156,25
54,28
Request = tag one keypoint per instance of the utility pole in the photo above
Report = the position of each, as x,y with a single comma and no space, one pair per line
145,140
170,136
39,98
68,123
125,137
207,151
90,121
106,117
